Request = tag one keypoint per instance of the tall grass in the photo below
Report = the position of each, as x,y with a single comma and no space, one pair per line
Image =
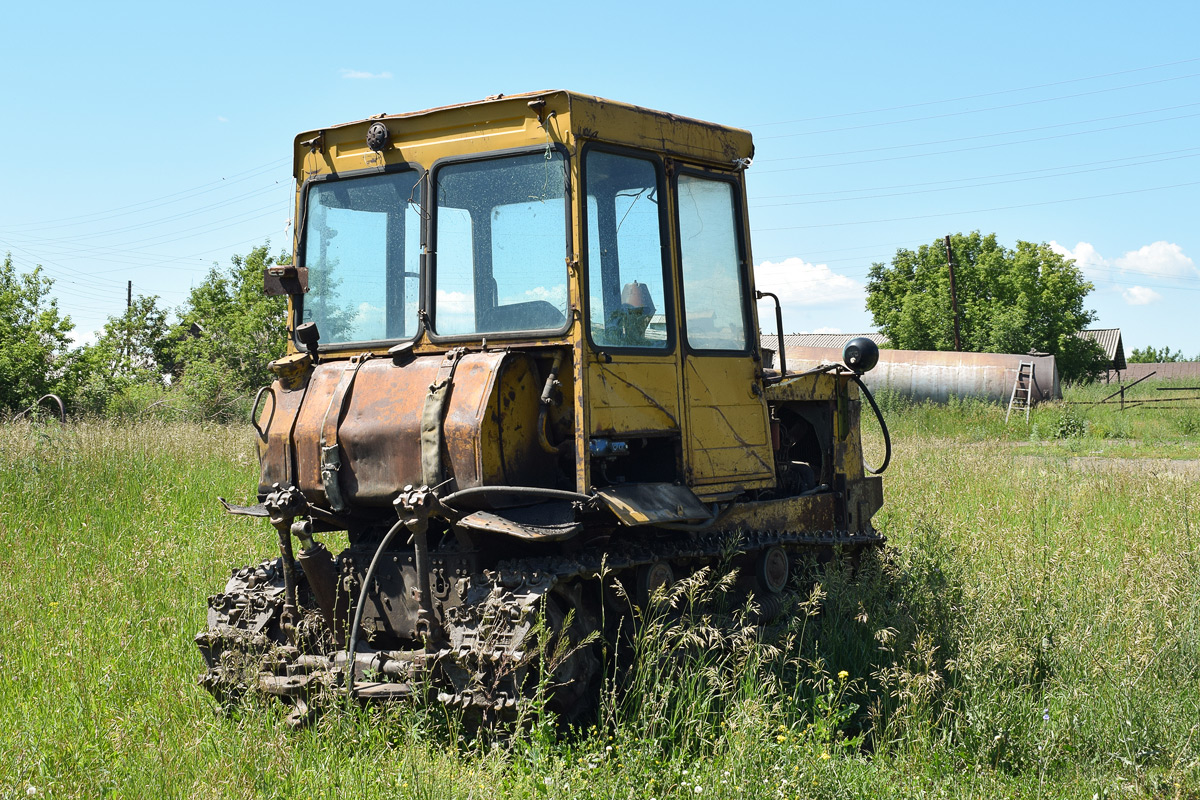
1032,629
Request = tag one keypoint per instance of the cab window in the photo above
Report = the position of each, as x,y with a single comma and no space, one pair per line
362,242
714,289
627,305
500,245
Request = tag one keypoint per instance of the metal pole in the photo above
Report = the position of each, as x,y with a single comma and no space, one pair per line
129,327
953,294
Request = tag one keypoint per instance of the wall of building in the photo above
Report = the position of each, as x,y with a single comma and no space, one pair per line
1174,369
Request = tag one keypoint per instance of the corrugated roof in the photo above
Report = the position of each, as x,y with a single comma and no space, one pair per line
835,340
1110,340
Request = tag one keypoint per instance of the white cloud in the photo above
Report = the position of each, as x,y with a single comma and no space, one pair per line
370,318
360,75
826,330
555,295
222,119
1161,258
1140,296
799,283
1090,262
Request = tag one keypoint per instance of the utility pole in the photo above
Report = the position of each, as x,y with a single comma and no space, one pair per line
128,328
953,294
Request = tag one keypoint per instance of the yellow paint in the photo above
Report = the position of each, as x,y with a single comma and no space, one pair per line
714,406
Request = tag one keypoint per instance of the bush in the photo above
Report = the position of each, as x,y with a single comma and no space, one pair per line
1070,425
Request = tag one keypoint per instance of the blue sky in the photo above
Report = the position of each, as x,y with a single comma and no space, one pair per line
145,142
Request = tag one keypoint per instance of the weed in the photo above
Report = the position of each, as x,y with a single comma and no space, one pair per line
1030,630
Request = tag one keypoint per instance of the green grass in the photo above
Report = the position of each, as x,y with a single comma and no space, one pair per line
1033,630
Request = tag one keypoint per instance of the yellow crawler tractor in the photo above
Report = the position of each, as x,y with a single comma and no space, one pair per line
524,366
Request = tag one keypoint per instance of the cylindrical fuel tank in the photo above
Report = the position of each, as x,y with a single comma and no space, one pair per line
489,433
936,375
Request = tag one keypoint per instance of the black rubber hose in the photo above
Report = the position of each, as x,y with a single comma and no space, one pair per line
887,437
525,491
362,601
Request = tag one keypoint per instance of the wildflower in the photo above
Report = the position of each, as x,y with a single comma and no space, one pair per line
31,791
781,738
843,675
699,789
1045,715
824,756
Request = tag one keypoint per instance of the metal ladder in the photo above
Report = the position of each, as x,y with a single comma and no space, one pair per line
1022,391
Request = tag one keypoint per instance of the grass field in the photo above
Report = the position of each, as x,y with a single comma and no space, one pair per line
1032,630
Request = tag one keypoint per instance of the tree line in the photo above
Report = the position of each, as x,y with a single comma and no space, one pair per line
207,357
203,360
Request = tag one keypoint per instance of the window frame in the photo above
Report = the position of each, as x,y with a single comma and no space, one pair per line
744,272
663,187
302,243
429,271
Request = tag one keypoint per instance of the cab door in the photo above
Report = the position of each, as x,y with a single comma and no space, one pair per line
631,357
727,437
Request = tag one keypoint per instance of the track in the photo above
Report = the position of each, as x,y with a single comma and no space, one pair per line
526,620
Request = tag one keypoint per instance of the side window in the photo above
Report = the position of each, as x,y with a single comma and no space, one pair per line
714,294
626,297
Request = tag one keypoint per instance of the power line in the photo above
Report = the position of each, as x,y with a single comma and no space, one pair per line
986,135
975,96
162,220
981,210
975,177
154,202
974,111
969,185
979,147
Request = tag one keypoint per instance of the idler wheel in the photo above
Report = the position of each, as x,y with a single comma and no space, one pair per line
651,577
773,569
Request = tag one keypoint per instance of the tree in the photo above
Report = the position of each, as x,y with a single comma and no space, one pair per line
1149,355
1029,299
33,337
228,332
129,356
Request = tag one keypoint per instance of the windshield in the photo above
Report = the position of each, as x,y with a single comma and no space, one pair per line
362,243
501,245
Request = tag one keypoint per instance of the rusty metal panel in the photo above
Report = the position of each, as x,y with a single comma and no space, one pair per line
489,425
495,431
307,439
487,522
276,417
474,382
651,503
